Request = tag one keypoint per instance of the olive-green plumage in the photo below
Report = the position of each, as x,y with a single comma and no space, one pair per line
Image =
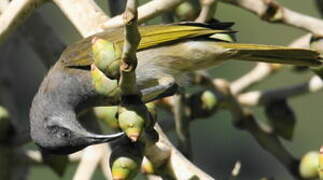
80,53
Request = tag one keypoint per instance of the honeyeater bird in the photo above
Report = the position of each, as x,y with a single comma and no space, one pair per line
165,54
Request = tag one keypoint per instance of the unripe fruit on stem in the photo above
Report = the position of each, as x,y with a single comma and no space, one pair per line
202,104
209,100
107,114
102,84
320,170
132,119
185,11
126,160
106,57
309,165
147,167
124,168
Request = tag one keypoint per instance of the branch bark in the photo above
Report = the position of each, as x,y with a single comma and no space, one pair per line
85,15
257,74
208,8
129,59
164,154
145,12
271,11
91,158
14,14
255,98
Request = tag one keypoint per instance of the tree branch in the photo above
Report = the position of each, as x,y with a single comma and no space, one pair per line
164,154
145,12
207,11
129,58
257,74
271,11
15,13
85,15
254,98
243,119
91,158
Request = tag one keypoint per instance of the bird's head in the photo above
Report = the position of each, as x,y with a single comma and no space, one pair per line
55,128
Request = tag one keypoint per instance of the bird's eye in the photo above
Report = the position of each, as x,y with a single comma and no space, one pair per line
60,132
64,133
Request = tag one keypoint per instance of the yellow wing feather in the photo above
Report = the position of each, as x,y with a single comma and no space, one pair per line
80,54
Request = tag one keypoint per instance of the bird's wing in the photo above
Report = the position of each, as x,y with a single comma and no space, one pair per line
80,53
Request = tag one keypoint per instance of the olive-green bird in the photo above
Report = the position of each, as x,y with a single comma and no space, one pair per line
165,54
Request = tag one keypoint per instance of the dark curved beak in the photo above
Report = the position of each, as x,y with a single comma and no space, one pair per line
100,138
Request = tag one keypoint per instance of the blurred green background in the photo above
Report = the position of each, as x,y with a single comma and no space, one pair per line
217,145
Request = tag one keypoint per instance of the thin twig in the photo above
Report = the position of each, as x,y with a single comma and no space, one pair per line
271,11
131,42
145,12
90,160
15,13
3,5
85,15
208,8
104,163
257,74
164,155
235,171
255,98
301,42
153,177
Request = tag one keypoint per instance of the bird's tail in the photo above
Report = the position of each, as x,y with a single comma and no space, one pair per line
272,54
